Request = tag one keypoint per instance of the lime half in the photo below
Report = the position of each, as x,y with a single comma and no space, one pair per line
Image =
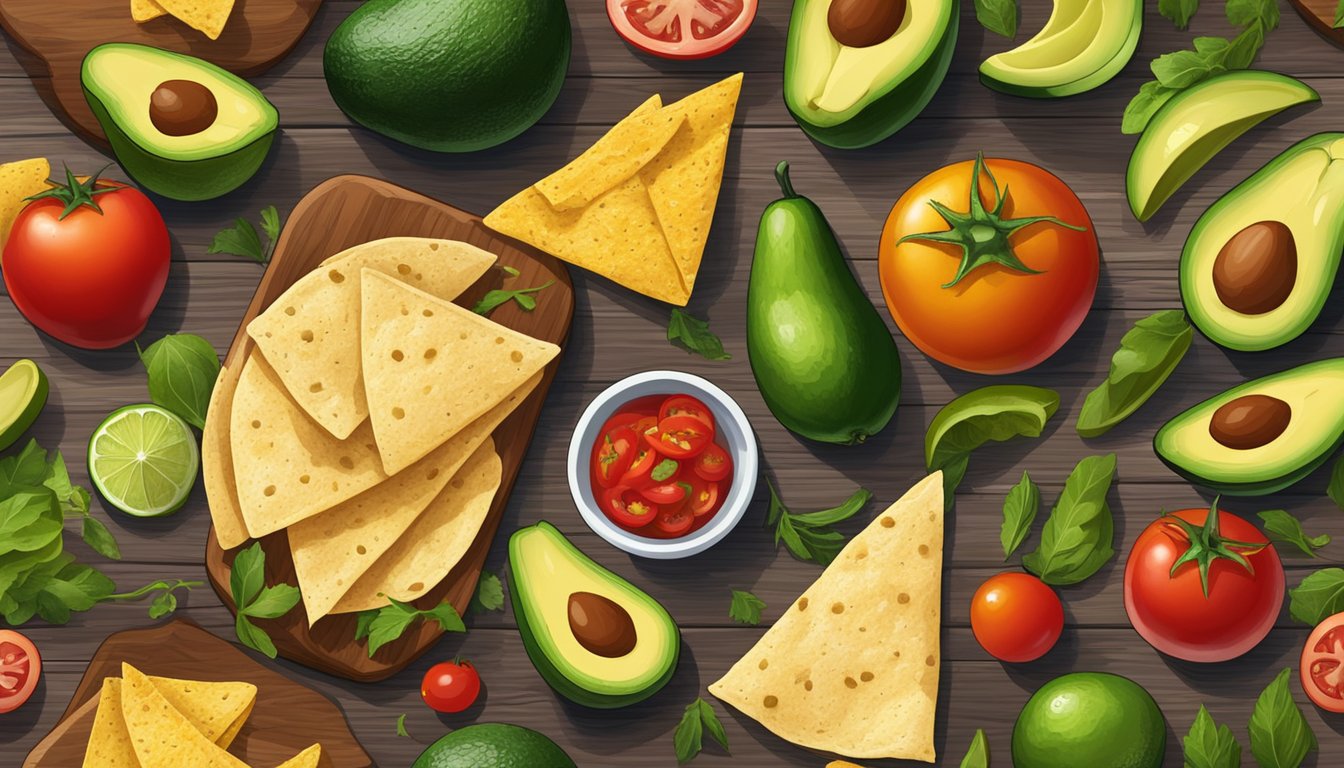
23,392
143,460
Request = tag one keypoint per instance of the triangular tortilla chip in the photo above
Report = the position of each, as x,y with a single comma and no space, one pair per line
852,666
109,742
146,10
19,181
432,367
684,179
306,333
286,467
206,16
217,463
216,710
161,735
308,758
435,542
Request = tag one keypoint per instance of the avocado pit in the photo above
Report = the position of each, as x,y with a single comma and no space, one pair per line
182,108
1250,421
864,23
601,625
1256,269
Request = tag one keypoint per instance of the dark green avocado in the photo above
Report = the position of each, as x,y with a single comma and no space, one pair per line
493,745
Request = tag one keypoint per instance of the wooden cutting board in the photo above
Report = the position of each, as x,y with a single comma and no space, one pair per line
1320,15
287,718
59,34
337,214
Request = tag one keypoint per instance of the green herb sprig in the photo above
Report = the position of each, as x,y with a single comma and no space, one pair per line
1019,512
523,297
489,594
242,239
1284,528
1280,736
808,536
384,625
693,335
1210,745
698,718
745,608
1148,354
254,600
1077,538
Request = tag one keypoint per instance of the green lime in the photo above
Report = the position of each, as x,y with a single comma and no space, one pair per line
1090,719
493,745
23,392
143,460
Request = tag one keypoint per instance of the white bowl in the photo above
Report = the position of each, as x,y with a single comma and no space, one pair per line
731,423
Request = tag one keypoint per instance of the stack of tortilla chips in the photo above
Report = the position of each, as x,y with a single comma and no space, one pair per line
19,181
360,423
158,722
207,16
637,206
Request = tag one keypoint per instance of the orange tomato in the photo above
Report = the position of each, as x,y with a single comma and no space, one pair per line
997,318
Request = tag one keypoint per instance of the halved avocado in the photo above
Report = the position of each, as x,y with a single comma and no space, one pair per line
1084,44
1197,124
595,638
1262,436
1258,265
180,126
850,85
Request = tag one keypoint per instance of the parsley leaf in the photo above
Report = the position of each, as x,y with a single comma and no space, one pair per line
182,369
254,600
1280,736
521,296
977,755
1019,512
401,726
489,594
698,718
1209,745
693,335
808,536
745,608
1285,528
242,239
1319,596
1178,11
998,16
392,620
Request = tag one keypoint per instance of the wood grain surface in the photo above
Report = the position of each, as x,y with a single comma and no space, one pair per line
1320,14
616,334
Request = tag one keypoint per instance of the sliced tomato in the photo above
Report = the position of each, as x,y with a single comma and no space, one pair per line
685,405
626,507
675,520
613,455
664,493
682,29
640,472
1322,665
680,437
629,419
714,464
20,669
704,497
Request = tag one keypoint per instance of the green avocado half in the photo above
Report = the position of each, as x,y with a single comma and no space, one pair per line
1259,264
180,126
853,95
1262,436
597,639
1083,44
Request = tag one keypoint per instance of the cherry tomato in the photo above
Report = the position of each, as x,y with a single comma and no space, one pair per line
613,455
640,472
629,419
20,669
1016,617
1196,614
625,506
680,437
451,686
685,405
675,520
681,29
704,497
714,464
1322,666
664,493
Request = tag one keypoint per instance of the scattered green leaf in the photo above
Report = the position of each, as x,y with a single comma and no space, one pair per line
698,718
489,594
1179,12
746,608
254,600
510,271
521,296
392,620
1285,528
1245,13
1339,16
1209,745
182,371
808,536
1077,537
1148,353
693,335
994,413
401,726
1019,512
998,16
977,755
1280,736
242,239
1318,597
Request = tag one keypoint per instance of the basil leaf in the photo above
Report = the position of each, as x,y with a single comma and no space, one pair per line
1285,528
248,575
182,371
693,335
745,608
1319,596
1209,745
1019,511
1152,96
24,469
489,595
273,602
994,413
1148,353
1280,736
823,517
29,520
1244,48
392,621
998,16
687,738
1336,488
1178,11
977,755
99,539
1076,540
363,621
1244,13
1183,69
253,637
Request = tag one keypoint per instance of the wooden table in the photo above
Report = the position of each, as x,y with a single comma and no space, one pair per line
616,333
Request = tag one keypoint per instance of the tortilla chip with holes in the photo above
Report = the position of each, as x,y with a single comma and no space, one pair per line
308,758
161,736
309,334
19,181
206,16
217,710
852,666
431,367
286,467
146,10
435,542
217,463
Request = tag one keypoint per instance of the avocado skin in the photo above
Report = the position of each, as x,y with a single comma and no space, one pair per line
493,745
889,113
449,75
833,373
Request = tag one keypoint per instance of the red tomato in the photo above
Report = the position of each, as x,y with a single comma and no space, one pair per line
626,507
640,472
629,419
680,437
704,497
714,464
665,493
20,669
1016,617
451,686
89,276
613,455
685,405
681,29
1322,666
1175,613
675,519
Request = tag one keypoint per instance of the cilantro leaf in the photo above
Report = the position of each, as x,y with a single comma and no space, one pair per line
693,335
1283,527
489,594
712,724
395,618
998,16
698,717
1280,735
270,223
745,608
521,296
242,239
1179,12
1209,745
808,536
401,726
1078,536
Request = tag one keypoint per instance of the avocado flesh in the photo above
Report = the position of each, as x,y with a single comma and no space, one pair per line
849,97
547,569
1197,124
1314,392
118,80
1303,188
1084,44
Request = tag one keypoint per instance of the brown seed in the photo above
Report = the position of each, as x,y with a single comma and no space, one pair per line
182,108
1250,421
1256,270
864,23
601,625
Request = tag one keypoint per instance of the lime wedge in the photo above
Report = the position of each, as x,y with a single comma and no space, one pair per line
23,392
143,460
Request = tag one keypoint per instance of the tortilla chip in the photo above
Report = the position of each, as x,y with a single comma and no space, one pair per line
217,463
207,16
432,367
161,735
308,333
852,666
286,467
146,10
617,156
435,542
109,742
308,758
217,709
19,181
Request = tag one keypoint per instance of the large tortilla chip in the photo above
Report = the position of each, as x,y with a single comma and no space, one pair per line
308,758
161,735
146,10
432,367
216,710
109,742
19,181
435,542
217,463
286,467
207,16
852,666
308,333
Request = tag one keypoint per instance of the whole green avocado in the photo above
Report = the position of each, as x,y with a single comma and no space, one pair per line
493,745
823,359
449,75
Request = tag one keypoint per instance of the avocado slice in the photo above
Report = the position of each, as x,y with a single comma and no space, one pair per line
23,393
597,639
180,126
1197,124
1262,436
1258,265
1084,44
856,71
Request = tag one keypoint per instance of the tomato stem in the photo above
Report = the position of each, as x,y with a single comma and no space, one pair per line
1206,544
75,193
